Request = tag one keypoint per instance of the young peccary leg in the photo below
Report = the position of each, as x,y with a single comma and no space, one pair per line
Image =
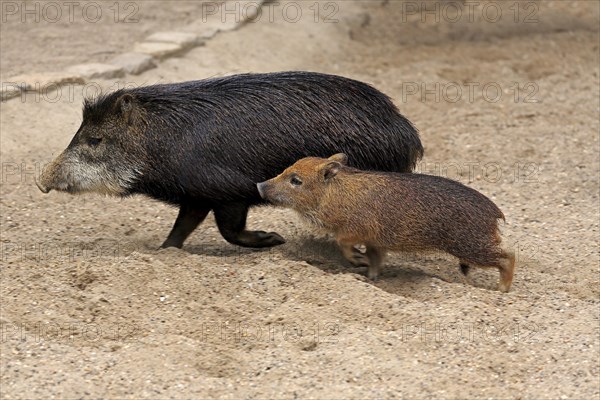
371,259
506,271
376,256
353,255
231,220
506,266
190,216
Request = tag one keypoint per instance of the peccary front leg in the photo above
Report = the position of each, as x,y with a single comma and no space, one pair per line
231,220
352,254
190,216
372,258
376,256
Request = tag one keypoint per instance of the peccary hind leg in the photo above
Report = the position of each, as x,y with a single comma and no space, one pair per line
190,216
505,264
231,220
507,271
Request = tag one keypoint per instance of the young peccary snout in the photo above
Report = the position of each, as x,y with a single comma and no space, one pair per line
393,211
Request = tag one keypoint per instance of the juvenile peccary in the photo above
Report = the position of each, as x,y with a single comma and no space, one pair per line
203,145
388,211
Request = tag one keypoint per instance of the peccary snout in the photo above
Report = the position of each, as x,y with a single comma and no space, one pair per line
74,173
48,179
40,186
261,189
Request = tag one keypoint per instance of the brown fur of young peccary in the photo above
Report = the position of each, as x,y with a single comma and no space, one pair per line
393,211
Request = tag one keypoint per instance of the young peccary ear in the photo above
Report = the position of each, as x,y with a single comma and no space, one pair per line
331,169
339,157
125,105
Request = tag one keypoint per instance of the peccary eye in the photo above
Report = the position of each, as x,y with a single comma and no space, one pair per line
94,141
296,181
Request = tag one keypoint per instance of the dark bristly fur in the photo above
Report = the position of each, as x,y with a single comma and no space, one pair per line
203,145
390,211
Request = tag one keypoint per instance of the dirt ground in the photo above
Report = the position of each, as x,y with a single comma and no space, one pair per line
91,309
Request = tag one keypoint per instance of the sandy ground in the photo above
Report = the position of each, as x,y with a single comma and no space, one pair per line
90,308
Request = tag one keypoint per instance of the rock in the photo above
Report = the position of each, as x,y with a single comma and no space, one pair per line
210,27
184,39
157,49
134,63
43,81
232,14
9,90
97,70
204,31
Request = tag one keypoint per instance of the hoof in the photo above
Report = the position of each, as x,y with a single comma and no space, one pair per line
373,275
270,239
359,260
258,239
168,244
503,287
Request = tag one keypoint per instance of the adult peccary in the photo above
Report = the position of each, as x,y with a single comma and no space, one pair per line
387,211
203,145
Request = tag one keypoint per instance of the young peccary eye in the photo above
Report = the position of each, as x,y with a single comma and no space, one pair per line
295,180
94,141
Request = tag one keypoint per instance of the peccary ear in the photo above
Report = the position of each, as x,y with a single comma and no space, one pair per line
125,105
331,169
339,157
